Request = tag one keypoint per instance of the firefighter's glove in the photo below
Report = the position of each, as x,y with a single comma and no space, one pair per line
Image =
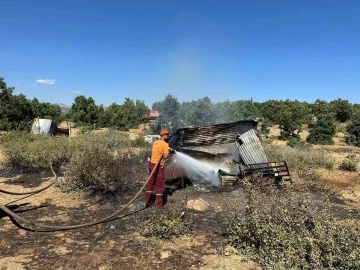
172,151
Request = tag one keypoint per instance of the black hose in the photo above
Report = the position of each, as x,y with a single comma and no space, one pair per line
62,228
35,191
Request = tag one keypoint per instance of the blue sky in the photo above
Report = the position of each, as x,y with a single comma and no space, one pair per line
141,49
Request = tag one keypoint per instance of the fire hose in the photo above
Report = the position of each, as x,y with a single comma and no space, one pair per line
34,191
70,227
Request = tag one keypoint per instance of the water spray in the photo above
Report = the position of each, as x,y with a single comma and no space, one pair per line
199,171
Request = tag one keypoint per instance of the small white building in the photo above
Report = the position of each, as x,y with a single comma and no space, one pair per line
45,126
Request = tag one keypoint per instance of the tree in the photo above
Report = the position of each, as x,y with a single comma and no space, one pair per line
54,112
353,130
356,108
84,111
343,109
169,110
323,131
265,127
122,117
321,107
289,115
37,108
5,95
46,110
222,112
102,120
244,110
132,113
15,110
197,113
6,98
18,113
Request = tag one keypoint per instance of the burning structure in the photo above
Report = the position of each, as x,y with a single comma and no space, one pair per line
232,151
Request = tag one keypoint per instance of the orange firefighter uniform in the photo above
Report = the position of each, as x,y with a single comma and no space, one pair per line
160,151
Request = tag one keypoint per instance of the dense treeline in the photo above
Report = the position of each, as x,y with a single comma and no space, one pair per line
321,117
17,110
84,112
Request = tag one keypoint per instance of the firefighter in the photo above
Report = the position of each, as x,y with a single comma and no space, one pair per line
157,181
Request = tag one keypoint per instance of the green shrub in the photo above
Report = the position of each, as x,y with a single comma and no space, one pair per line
352,136
300,159
281,231
323,131
139,141
349,165
265,126
97,168
90,161
85,129
165,225
295,142
23,149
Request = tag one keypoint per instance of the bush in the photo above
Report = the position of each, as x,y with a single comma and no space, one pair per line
300,159
353,130
104,162
323,131
164,226
295,142
97,168
85,129
349,165
139,141
283,232
265,126
23,149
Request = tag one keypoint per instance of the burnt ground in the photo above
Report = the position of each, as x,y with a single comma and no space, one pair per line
117,244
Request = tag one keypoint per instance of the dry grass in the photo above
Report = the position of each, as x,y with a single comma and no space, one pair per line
347,184
2,157
339,139
340,179
300,159
14,263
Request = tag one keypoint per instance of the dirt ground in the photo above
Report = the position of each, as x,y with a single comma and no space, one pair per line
117,244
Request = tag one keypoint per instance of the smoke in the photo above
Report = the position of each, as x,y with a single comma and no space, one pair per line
199,171
185,73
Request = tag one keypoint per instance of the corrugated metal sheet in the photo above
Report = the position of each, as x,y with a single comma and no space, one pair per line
211,134
250,148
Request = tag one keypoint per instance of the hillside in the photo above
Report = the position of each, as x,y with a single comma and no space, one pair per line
64,108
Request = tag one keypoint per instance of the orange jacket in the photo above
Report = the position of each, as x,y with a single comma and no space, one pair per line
159,147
